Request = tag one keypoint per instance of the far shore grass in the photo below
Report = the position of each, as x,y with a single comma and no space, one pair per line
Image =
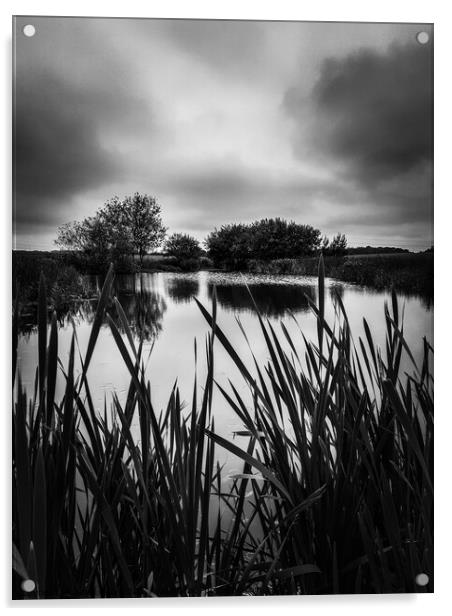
410,273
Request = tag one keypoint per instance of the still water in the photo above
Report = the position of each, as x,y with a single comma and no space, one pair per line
161,308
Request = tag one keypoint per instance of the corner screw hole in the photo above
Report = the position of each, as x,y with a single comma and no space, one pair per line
422,38
422,579
29,30
28,585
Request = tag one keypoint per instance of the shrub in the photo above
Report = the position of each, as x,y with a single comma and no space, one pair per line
266,239
229,245
189,265
183,246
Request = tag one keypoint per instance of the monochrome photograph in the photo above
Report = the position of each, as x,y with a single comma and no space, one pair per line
223,298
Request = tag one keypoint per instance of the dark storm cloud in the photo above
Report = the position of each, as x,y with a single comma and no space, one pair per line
190,111
56,145
68,120
372,110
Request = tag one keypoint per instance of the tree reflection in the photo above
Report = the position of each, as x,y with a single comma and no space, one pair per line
182,289
144,311
143,306
272,300
336,290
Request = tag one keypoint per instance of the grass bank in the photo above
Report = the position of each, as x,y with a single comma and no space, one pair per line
335,493
405,272
65,283
27,266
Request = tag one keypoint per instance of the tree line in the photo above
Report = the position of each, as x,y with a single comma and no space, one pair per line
123,230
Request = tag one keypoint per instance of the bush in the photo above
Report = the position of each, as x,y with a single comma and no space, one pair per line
266,239
229,245
276,238
183,246
189,265
205,263
62,280
337,247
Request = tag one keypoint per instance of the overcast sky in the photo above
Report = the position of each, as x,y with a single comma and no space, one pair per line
326,124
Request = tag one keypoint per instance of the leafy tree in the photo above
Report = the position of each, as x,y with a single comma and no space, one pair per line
230,245
276,238
272,238
90,237
135,224
324,244
183,246
338,245
118,231
73,235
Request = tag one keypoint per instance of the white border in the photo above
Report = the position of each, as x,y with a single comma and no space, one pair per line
426,11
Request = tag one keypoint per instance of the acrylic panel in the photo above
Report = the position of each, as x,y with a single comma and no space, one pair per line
223,308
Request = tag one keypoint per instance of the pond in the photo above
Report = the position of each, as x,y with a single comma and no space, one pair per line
160,307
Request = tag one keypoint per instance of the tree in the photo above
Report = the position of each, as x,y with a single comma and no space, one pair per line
141,216
276,238
338,245
269,238
90,238
324,244
118,231
183,246
230,245
73,235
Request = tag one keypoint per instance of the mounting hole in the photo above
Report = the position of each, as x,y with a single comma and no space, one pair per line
28,586
29,30
422,579
422,38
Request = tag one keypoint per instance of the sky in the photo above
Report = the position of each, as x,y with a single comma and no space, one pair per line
327,124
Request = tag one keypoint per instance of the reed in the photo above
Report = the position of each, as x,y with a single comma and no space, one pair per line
335,496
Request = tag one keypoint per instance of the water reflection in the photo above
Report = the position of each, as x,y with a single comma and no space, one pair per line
145,298
143,305
160,306
272,300
73,310
144,311
182,289
336,290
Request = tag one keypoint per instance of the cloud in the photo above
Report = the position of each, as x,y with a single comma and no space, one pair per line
57,151
224,45
197,200
372,112
190,111
68,127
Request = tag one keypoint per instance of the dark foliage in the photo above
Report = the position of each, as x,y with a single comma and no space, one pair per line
269,238
230,245
375,250
119,230
183,246
411,273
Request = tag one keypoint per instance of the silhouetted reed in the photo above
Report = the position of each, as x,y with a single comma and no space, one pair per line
335,496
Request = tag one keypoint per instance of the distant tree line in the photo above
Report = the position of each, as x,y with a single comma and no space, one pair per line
374,250
123,230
